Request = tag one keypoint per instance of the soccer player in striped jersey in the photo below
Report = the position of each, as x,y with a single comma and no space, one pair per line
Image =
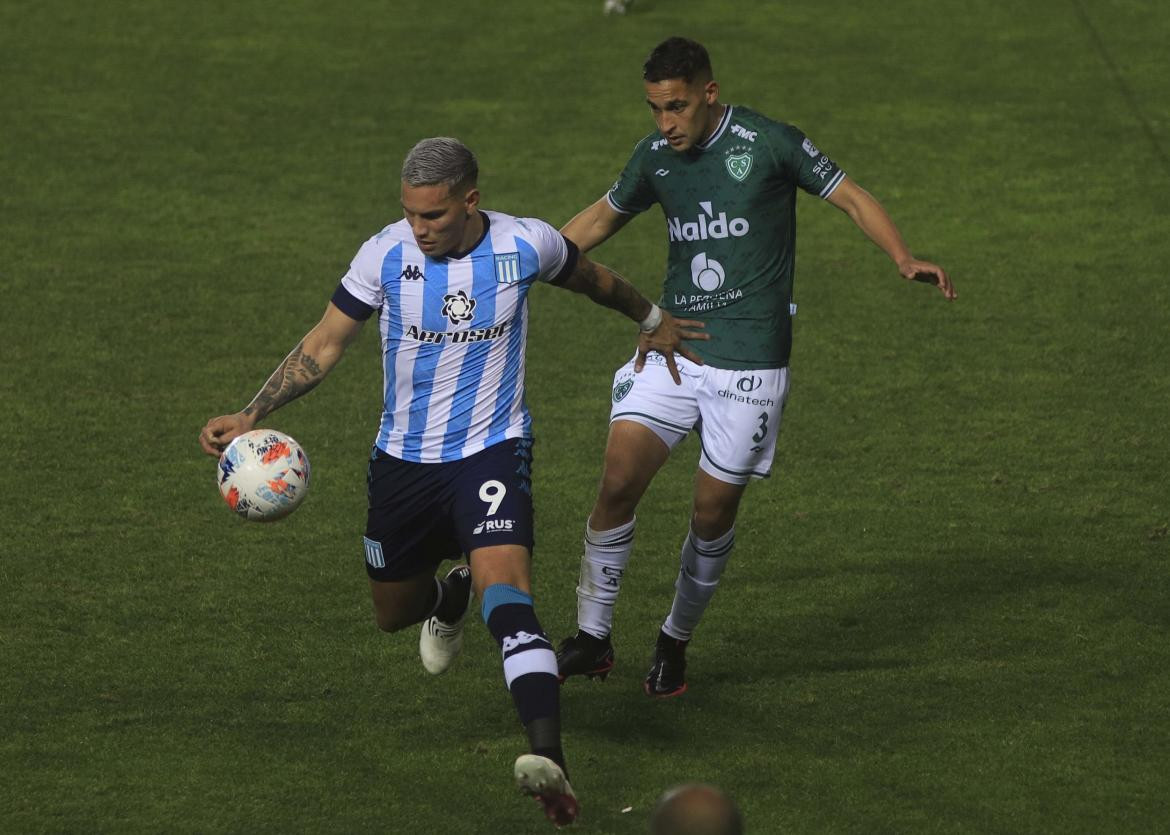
726,179
450,470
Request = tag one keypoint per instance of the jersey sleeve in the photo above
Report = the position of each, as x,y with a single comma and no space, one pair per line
812,170
556,255
360,292
633,193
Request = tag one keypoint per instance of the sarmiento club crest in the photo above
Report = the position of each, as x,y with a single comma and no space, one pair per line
739,166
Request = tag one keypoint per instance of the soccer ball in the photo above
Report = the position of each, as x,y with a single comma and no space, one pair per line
263,475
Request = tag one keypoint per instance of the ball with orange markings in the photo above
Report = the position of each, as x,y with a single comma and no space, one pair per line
263,475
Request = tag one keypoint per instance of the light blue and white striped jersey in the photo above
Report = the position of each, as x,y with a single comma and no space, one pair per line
453,333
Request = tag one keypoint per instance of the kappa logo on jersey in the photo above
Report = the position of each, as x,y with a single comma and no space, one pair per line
458,307
739,166
493,526
507,267
810,148
707,225
707,273
411,273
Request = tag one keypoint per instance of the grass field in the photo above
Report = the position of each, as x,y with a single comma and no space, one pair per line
948,610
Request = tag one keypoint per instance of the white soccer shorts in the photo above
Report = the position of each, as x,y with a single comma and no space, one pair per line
736,412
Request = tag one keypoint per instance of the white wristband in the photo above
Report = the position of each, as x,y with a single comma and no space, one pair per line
653,319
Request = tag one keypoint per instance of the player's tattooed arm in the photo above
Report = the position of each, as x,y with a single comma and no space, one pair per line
301,371
660,332
307,364
607,288
298,374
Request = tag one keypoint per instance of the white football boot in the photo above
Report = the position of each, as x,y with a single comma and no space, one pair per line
543,779
441,642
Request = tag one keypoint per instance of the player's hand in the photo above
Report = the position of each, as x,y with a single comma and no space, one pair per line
667,339
914,270
220,431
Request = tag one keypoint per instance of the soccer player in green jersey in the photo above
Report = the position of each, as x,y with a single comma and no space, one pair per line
726,178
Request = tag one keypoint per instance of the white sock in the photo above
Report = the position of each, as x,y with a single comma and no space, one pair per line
701,565
602,567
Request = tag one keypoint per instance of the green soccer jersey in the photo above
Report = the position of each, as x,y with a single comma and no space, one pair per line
730,207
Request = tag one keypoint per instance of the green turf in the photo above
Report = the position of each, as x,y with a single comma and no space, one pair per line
947,610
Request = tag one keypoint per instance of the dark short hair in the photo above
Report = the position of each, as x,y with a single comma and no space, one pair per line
678,58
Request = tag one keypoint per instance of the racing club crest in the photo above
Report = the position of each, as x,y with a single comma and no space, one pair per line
507,267
739,165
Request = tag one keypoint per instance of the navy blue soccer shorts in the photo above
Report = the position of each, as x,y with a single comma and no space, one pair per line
422,514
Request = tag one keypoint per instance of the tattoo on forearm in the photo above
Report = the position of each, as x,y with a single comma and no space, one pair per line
587,271
627,300
298,374
620,295
311,366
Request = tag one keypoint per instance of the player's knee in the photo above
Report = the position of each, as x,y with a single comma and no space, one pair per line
709,530
618,494
709,522
714,510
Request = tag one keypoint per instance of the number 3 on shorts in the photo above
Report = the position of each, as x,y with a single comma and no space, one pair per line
493,493
758,437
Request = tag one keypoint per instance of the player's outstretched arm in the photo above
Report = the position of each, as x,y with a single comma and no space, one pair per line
864,210
661,332
594,224
301,371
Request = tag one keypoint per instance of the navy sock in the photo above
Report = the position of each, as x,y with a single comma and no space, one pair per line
530,667
434,598
447,598
454,590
